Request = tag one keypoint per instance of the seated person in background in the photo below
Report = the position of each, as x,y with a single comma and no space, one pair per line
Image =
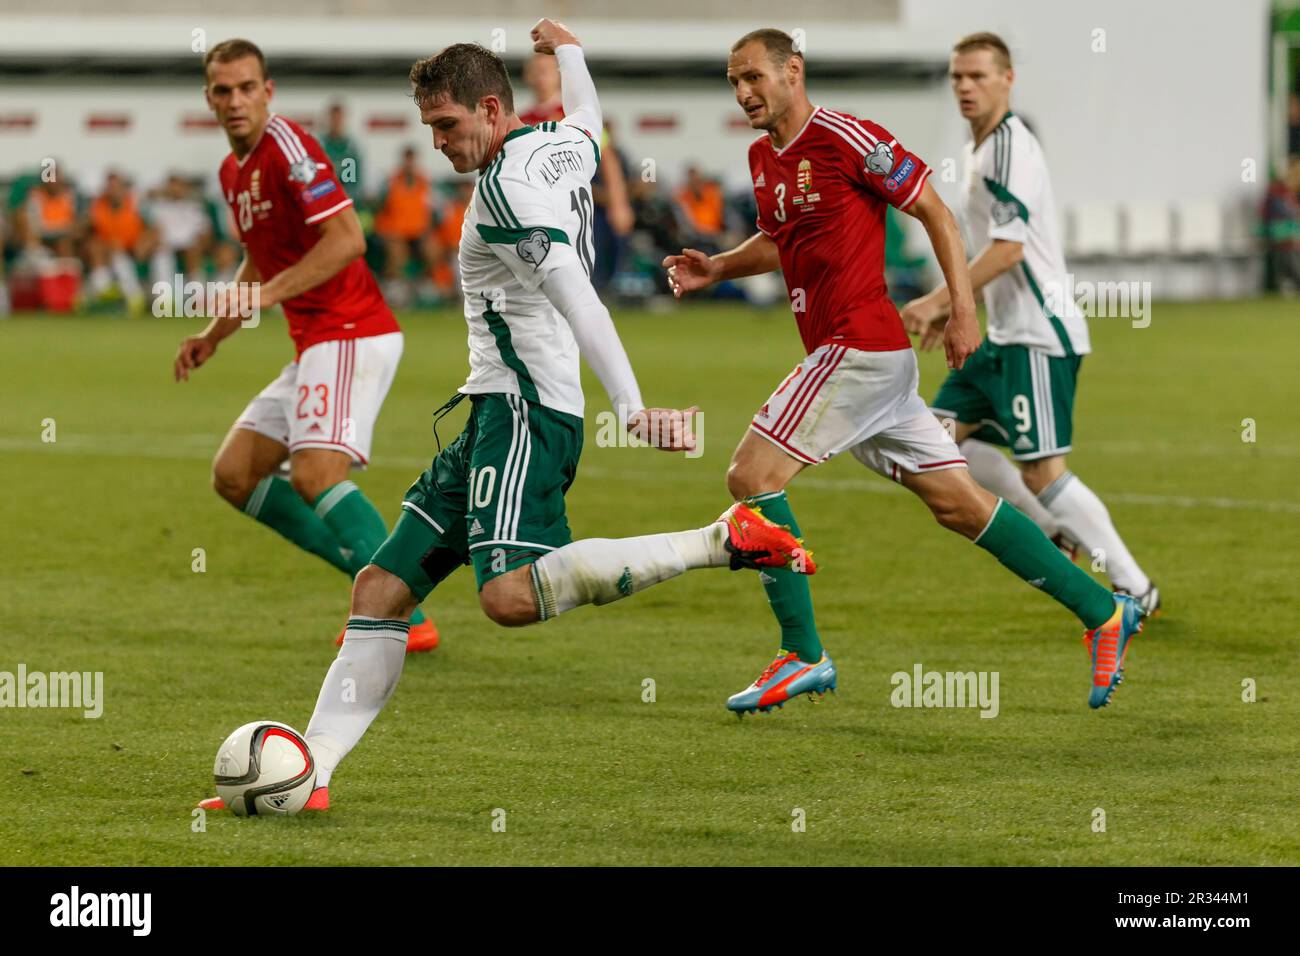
402,223
116,237
47,221
703,209
182,231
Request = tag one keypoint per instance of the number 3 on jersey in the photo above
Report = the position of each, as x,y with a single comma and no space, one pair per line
780,202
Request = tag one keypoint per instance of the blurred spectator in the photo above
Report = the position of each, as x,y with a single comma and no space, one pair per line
613,217
444,240
182,231
343,151
47,221
117,238
402,222
703,210
1281,216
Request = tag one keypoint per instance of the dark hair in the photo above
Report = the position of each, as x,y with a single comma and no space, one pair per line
229,50
466,72
778,43
985,41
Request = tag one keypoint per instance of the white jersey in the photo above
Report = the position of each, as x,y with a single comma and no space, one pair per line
531,214
1008,195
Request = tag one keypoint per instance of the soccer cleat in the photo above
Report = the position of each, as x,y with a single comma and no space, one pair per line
785,677
1149,602
421,637
755,542
1107,646
319,800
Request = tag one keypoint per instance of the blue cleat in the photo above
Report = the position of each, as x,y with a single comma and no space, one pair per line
784,678
1107,646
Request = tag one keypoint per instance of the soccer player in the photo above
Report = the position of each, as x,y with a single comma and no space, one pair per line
1018,388
303,246
494,497
821,180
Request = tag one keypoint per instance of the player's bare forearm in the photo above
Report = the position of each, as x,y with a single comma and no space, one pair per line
961,335
998,257
341,241
755,256
223,325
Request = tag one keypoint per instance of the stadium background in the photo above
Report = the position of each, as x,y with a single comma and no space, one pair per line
1161,153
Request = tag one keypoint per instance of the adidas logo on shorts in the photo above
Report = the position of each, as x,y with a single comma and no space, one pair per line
475,528
1023,442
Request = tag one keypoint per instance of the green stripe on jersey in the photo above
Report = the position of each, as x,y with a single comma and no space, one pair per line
494,183
501,332
511,236
1004,195
1057,326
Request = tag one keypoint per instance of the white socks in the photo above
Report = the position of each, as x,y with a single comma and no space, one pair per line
1083,517
602,570
994,470
358,684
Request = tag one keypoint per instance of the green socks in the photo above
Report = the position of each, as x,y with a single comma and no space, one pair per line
275,504
787,592
1022,547
356,524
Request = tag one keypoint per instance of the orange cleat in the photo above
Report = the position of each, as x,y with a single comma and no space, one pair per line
319,800
754,541
421,637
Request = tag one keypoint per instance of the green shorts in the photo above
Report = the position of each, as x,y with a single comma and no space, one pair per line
494,496
1020,397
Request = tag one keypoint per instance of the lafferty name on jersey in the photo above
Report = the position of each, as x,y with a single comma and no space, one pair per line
553,165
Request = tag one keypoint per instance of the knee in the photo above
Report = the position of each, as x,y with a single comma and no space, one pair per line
308,483
1036,478
508,602
380,593
743,482
233,483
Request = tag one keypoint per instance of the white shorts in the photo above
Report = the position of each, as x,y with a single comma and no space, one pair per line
330,397
842,399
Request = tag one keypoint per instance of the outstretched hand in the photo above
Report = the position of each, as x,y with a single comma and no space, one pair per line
690,271
668,429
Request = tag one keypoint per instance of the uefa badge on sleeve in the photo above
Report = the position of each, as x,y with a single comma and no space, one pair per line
533,248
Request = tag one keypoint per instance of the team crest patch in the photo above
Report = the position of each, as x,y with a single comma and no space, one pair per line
304,170
1004,212
880,160
534,247
804,177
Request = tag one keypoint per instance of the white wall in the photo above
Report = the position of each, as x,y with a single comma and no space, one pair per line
1169,111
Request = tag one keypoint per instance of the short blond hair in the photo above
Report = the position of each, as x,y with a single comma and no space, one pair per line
985,41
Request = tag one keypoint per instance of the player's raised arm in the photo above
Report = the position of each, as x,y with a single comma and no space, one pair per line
961,336
577,91
694,270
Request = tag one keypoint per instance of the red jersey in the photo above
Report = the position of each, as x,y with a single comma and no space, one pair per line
277,194
543,113
822,200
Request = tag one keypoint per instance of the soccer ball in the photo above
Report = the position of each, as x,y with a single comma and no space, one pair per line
264,769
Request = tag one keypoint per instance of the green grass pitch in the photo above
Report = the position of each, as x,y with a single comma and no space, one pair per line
549,723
